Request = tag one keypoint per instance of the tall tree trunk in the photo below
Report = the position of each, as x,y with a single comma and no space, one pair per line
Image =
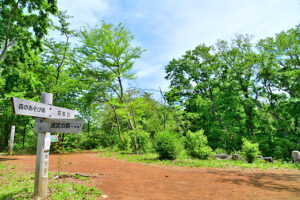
248,109
136,146
216,109
121,97
165,102
62,139
274,113
89,122
6,134
239,122
117,120
24,134
6,45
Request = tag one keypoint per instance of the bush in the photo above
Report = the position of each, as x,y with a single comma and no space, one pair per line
91,140
98,139
284,147
250,151
196,145
125,145
220,151
143,141
167,145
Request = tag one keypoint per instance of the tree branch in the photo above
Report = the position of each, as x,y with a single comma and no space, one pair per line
6,45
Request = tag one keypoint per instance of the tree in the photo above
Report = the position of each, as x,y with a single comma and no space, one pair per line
19,18
193,79
241,67
241,90
110,56
279,74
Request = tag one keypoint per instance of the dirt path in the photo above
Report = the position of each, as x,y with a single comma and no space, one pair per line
121,180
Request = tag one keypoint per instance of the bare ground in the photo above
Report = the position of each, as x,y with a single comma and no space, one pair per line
121,180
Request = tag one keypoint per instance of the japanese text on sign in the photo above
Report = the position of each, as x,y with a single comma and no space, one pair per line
31,108
64,125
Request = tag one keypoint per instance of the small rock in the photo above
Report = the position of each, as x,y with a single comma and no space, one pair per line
104,196
222,156
235,156
268,159
296,156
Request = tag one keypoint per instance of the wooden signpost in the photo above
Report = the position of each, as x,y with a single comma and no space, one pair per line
11,140
48,119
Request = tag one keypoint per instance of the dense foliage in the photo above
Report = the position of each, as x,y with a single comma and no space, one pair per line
218,94
196,145
167,145
242,90
250,150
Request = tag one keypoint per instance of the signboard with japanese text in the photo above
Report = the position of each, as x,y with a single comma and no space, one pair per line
35,109
58,125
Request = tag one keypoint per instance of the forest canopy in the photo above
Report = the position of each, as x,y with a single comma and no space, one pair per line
219,94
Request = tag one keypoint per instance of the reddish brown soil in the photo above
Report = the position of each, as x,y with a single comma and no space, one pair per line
121,180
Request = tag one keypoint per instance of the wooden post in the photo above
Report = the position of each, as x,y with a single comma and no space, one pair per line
42,158
11,141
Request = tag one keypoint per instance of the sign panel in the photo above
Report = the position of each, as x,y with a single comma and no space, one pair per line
35,109
58,125
54,138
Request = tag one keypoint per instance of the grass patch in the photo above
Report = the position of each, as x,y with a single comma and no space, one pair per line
184,160
19,185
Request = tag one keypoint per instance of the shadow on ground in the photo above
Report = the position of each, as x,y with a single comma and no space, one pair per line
6,159
266,181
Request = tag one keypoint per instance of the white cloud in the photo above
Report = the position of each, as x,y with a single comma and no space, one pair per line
146,69
86,11
168,28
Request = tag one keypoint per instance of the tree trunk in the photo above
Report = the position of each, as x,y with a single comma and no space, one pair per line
248,109
8,30
6,134
165,102
24,134
89,120
117,120
62,139
216,109
136,146
121,97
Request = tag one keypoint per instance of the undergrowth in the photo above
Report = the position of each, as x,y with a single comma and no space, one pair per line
15,184
184,160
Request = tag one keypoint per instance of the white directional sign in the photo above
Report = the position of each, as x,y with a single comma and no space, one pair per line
58,125
48,119
31,108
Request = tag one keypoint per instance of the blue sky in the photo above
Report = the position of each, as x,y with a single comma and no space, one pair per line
168,28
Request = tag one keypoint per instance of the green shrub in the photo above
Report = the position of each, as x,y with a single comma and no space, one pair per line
250,151
284,147
143,141
196,145
89,143
125,145
167,145
91,140
220,151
